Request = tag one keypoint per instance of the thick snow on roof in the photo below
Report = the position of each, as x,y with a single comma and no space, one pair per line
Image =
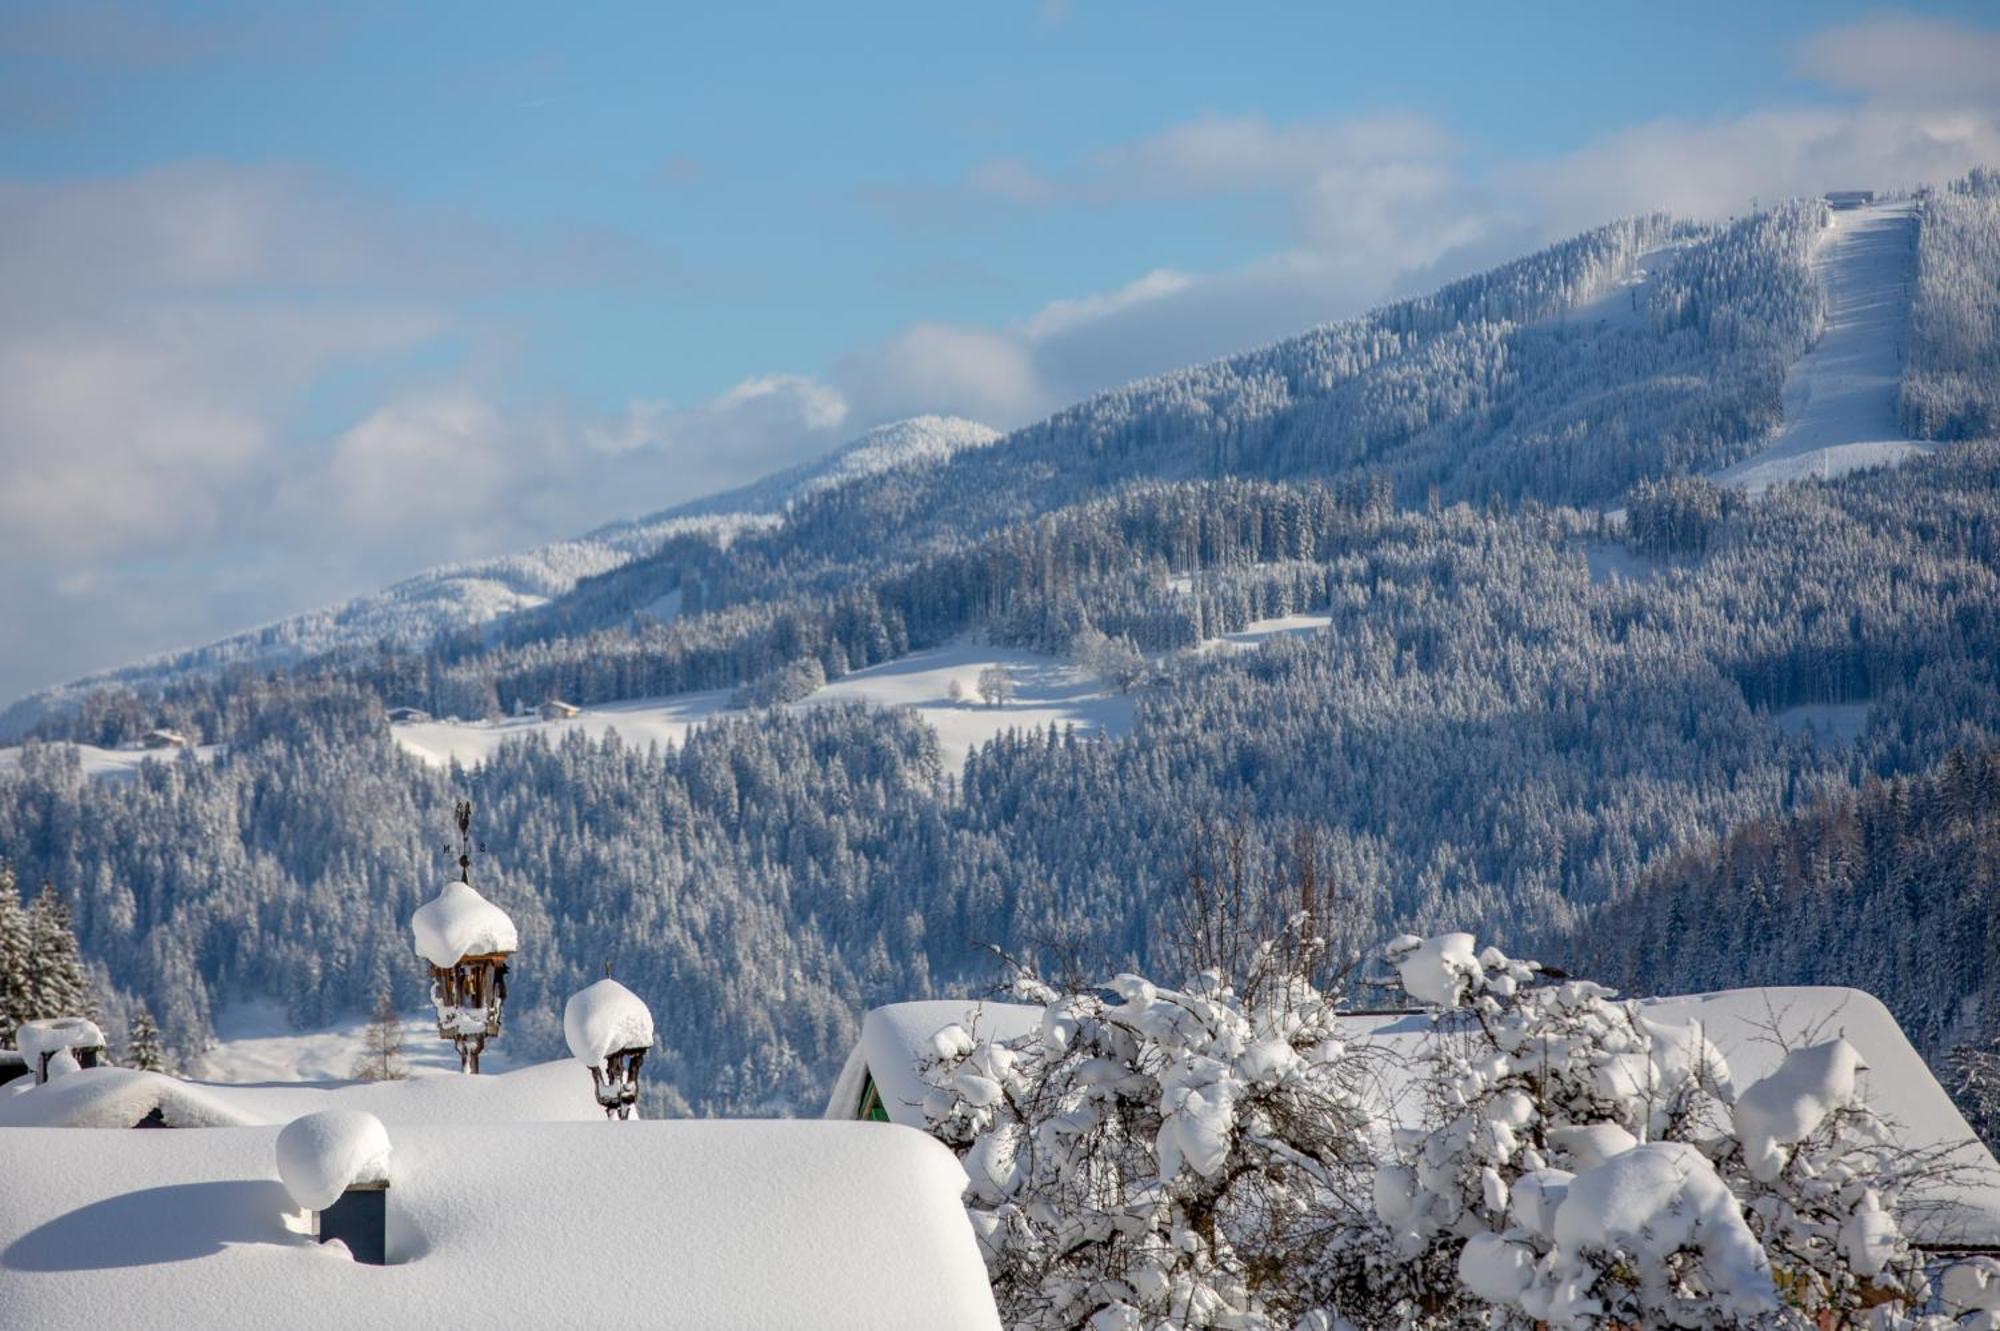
120,1097
895,1039
604,1018
1750,1028
460,923
687,1224
322,1155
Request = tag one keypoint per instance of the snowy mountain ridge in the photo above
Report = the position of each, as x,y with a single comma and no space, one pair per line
454,597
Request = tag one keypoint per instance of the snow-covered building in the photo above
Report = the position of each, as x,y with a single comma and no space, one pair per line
164,739
407,716
883,1079
705,1224
1849,198
555,709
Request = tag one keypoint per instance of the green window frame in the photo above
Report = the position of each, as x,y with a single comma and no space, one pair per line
872,1109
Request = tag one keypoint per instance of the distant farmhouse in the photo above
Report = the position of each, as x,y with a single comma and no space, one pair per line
407,716
164,739
555,709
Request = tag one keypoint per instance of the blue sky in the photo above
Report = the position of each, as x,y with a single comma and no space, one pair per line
309,298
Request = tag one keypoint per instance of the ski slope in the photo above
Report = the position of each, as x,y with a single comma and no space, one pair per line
1840,398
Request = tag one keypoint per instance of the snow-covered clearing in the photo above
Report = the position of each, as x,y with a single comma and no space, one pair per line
112,764
1840,398
1825,722
254,1043
1260,631
1608,560
1047,692
1621,302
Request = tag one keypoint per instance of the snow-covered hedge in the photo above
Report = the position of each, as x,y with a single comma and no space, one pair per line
1154,1158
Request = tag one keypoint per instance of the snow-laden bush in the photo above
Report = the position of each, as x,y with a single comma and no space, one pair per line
1217,1157
1154,1157
1589,1167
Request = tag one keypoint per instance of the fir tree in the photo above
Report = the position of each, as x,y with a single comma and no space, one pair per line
143,1050
57,984
381,1057
14,947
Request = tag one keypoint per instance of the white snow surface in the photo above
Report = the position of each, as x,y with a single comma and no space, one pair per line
1436,970
714,1225
322,1155
1048,692
602,1019
110,764
1651,1202
1787,1106
897,1038
1840,397
108,1097
459,923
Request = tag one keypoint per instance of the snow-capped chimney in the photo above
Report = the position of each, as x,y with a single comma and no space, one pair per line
335,1163
609,1031
467,940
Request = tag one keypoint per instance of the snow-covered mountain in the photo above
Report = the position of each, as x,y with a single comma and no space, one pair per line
454,597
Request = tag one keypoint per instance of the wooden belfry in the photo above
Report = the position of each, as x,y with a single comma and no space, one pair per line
467,940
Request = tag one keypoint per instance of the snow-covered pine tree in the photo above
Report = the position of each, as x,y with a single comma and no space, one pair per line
57,983
14,948
143,1049
381,1057
1973,1078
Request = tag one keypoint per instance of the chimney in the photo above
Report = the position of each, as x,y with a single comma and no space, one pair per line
359,1217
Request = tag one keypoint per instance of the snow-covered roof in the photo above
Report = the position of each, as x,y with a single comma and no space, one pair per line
707,1224
895,1040
1749,1027
602,1019
121,1097
459,923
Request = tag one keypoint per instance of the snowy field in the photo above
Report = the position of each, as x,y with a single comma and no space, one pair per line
1048,691
1840,398
1825,722
254,1043
111,764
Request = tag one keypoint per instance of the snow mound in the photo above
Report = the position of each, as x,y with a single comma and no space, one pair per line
57,1036
1651,1203
322,1155
604,1018
460,923
1786,1107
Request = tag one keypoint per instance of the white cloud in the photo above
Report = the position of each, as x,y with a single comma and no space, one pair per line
1899,56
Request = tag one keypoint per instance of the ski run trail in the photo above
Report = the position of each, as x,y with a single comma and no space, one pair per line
1840,398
